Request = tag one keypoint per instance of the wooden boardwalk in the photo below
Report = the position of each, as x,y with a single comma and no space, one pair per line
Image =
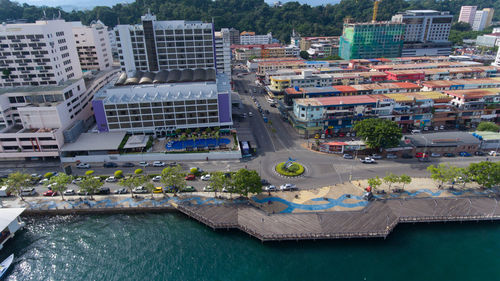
378,219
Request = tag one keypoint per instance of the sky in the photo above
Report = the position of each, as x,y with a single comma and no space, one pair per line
92,3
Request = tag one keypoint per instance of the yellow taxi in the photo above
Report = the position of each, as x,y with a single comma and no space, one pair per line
158,189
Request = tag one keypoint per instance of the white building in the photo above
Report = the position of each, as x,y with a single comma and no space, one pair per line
38,54
112,42
497,59
467,14
165,45
223,51
480,20
426,32
158,103
93,46
250,38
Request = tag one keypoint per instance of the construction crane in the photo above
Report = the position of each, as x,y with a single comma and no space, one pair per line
375,10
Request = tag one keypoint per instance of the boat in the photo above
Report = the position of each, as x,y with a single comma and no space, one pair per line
4,266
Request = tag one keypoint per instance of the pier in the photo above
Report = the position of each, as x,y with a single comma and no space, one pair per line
378,219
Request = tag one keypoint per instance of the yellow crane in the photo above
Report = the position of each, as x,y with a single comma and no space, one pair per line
375,10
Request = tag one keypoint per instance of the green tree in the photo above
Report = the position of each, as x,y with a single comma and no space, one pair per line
443,173
464,176
173,177
404,179
378,133
138,172
118,174
150,187
130,183
91,185
461,26
486,173
17,181
390,178
304,55
217,180
488,126
246,181
374,183
60,183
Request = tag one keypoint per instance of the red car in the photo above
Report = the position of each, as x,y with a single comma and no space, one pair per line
421,155
190,177
50,193
341,135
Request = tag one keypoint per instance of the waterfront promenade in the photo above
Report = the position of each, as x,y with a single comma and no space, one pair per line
327,213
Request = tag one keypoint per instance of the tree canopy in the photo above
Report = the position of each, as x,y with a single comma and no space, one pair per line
247,181
488,126
378,133
251,15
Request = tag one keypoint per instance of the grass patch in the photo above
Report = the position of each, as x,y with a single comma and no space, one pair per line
294,170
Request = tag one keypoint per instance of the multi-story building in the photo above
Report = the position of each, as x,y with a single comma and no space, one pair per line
38,54
475,105
295,39
482,19
320,50
461,84
497,59
488,40
93,46
247,52
223,52
467,14
250,38
386,67
164,101
371,40
234,35
426,32
164,45
307,42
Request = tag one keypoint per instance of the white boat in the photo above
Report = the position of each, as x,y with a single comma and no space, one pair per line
4,266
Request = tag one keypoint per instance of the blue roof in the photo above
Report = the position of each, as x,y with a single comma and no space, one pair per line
315,62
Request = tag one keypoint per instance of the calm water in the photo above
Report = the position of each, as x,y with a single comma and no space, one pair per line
172,247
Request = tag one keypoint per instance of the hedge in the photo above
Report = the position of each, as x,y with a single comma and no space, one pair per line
298,170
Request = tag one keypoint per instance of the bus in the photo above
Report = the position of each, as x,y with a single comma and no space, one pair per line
245,149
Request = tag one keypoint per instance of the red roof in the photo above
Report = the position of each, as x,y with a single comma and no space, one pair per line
407,85
335,143
347,100
343,88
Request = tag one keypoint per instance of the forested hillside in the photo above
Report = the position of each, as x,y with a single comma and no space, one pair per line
254,15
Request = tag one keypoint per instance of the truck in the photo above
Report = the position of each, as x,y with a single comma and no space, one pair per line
4,192
367,160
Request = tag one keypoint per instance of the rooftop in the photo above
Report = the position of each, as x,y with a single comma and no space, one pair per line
166,76
442,139
36,89
8,215
96,142
447,83
487,136
330,101
473,93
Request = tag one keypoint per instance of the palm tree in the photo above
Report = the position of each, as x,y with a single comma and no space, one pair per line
17,181
59,183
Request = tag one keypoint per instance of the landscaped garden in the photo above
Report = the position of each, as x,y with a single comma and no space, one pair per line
290,169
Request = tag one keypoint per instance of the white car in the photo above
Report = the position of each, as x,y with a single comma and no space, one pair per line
139,189
287,186
250,114
143,164
76,181
158,164
83,166
270,188
391,156
492,153
347,156
111,179
376,156
208,188
157,178
367,160
69,192
434,154
28,191
205,177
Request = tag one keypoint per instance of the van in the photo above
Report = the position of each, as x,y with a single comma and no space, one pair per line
4,192
414,132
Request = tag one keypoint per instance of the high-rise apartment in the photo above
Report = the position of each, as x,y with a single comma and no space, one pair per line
467,14
482,19
93,46
223,51
371,40
426,32
165,45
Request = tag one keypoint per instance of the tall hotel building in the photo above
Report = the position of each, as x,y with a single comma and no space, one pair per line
165,45
93,46
42,90
426,32
172,79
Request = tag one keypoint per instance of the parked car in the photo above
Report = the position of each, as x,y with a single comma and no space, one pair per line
492,153
205,177
414,132
188,188
122,190
28,191
190,177
434,154
158,164
367,160
270,188
250,114
347,156
139,189
128,164
441,127
449,155
158,189
104,191
464,154
36,176
69,192
208,188
272,105
156,178
391,156
407,156
376,156
111,179
288,186
110,165
82,192
264,182
76,181
172,164
479,153
50,193
43,181
83,166
143,164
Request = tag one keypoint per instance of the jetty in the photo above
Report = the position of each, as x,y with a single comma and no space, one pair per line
378,219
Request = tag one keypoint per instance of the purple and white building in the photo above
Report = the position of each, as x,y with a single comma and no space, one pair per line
164,101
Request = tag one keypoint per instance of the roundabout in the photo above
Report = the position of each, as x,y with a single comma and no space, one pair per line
289,169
